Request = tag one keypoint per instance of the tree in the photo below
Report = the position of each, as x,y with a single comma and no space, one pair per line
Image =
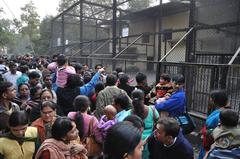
43,43
30,21
6,34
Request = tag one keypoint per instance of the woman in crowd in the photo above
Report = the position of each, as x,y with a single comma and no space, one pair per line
59,146
83,120
44,123
147,113
22,141
23,95
123,141
46,95
74,88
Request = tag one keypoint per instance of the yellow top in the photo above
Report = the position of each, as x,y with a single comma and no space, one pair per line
11,149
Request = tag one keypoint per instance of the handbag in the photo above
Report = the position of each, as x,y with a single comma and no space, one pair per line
186,123
93,148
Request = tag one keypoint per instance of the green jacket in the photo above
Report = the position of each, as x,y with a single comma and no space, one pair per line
226,137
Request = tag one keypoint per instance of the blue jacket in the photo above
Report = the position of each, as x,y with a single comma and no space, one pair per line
174,105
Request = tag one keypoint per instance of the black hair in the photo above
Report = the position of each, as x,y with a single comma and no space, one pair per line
122,100
50,104
73,81
121,138
219,97
78,66
135,120
23,84
33,75
119,69
99,86
123,79
87,76
165,77
111,80
18,118
61,60
81,104
140,77
61,127
46,90
24,68
229,117
178,79
46,75
115,73
4,87
33,91
138,105
170,126
98,65
12,64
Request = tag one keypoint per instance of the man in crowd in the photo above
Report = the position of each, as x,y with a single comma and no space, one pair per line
168,141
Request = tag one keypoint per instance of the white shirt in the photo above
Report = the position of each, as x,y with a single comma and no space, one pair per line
12,77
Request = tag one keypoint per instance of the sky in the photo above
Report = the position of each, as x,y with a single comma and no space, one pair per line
44,7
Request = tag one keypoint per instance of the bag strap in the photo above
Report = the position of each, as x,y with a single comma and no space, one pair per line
154,114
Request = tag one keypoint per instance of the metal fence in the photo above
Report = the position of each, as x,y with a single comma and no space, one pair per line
200,78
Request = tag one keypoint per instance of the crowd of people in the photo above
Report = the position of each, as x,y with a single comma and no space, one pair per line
53,109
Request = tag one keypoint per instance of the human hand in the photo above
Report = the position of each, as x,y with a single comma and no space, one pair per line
77,148
101,70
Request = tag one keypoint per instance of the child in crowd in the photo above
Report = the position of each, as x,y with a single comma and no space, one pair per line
226,136
107,120
62,70
163,89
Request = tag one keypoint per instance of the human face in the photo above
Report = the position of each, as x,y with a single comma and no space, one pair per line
137,154
13,69
161,136
48,81
24,91
10,93
19,131
48,114
34,81
37,94
72,134
46,96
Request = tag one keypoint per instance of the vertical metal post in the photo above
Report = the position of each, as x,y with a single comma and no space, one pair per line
190,56
114,29
96,31
63,35
120,32
81,27
159,43
190,37
51,43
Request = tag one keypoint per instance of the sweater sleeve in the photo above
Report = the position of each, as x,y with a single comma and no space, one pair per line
171,104
87,88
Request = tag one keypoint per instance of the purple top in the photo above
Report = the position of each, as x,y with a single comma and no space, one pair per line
87,118
104,124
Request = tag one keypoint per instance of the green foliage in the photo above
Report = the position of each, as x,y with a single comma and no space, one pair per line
30,21
43,43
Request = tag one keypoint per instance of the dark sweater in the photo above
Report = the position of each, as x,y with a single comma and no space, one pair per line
181,149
